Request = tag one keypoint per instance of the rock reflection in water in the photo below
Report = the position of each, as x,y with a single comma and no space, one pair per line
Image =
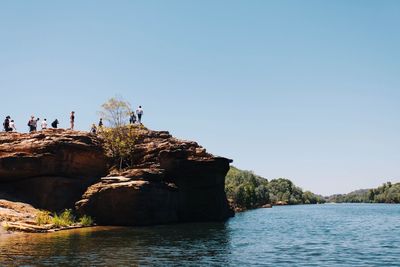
161,245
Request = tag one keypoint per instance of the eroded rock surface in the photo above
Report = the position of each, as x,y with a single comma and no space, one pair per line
53,152
19,216
169,180
50,169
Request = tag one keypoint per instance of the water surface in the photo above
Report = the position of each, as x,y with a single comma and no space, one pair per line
309,235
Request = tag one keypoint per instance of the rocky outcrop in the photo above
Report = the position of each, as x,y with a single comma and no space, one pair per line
53,152
19,216
50,169
125,201
169,180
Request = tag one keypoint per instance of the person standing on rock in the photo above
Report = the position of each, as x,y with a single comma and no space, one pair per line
54,124
36,123
12,126
32,124
132,118
6,124
139,113
93,130
100,123
44,124
72,119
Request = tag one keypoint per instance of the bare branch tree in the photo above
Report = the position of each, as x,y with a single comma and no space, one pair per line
116,111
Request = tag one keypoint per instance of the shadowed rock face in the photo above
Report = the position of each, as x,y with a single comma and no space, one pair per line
170,180
125,201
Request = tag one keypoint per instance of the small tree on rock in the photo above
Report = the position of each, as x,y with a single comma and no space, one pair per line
116,111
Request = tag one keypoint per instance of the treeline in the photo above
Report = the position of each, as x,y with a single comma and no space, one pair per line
387,193
246,190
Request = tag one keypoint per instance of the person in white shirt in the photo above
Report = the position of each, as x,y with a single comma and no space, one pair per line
44,124
139,113
12,125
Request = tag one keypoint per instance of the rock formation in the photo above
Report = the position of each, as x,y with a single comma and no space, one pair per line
50,169
169,180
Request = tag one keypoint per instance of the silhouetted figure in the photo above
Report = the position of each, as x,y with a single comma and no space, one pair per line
72,119
54,124
6,124
93,130
101,122
132,118
139,113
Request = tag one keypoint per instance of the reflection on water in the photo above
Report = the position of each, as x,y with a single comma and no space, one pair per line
314,235
160,245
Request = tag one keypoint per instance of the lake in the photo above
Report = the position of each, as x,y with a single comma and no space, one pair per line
306,235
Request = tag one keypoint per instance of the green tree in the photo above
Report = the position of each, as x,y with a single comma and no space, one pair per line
119,144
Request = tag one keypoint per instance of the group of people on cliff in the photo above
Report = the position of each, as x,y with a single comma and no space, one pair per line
33,123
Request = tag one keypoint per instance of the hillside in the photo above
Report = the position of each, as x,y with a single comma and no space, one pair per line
387,193
246,190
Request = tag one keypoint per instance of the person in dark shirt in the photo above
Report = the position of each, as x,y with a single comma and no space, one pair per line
6,124
93,130
72,119
54,124
132,118
32,124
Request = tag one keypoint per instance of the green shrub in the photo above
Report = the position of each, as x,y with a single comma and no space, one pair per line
86,220
43,217
66,218
119,143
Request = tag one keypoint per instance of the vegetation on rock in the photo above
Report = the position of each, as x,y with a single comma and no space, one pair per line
119,138
246,190
119,143
116,111
64,219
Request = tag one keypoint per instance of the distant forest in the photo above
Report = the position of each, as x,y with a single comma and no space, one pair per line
387,193
246,190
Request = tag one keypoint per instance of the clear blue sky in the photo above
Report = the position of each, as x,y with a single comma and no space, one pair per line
307,90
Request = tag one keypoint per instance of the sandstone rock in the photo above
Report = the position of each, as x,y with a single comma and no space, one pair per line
170,180
191,182
48,193
123,201
16,216
50,169
53,152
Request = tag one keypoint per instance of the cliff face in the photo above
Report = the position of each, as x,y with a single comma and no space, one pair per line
50,153
170,180
49,169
